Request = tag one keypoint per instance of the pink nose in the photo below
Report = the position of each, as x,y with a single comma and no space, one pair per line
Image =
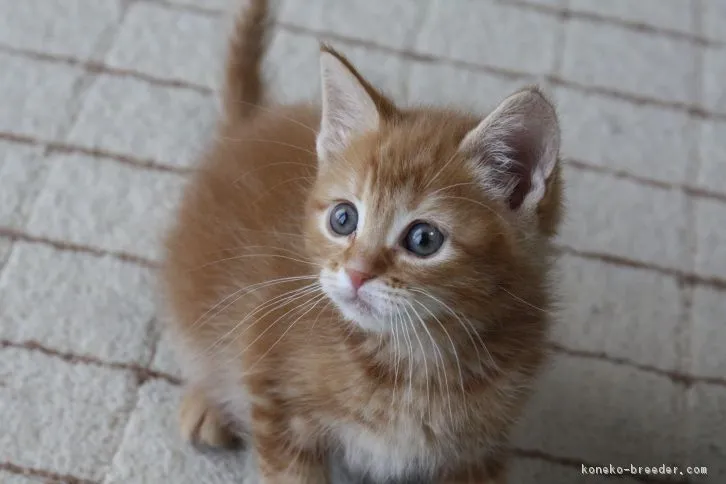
358,278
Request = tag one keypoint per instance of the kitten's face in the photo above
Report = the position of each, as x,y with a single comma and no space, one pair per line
420,216
402,229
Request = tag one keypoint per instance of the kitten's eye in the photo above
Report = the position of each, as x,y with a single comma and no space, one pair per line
423,239
344,219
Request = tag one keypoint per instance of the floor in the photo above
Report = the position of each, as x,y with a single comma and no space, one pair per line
105,104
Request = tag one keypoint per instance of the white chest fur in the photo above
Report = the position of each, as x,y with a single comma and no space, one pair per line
403,449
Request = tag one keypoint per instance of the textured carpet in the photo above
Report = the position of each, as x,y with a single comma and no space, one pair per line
105,104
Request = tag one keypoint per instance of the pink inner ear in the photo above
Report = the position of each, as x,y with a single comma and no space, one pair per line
525,159
520,192
518,140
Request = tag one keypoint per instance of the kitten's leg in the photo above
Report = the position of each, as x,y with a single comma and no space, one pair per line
202,423
279,461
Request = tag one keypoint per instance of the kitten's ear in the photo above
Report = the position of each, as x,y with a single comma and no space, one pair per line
517,147
349,104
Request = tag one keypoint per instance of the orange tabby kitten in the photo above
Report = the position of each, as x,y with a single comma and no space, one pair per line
363,283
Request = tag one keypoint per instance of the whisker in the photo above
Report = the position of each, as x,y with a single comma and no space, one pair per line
244,256
248,247
523,301
448,187
262,167
308,293
443,167
311,296
437,353
476,202
348,333
396,352
257,200
322,310
268,232
270,326
276,302
405,327
314,303
423,354
453,346
466,329
267,246
249,289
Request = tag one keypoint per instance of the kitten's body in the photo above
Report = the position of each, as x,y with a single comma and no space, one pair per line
432,402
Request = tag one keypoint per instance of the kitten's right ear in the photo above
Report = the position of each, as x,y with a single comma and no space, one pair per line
516,148
349,108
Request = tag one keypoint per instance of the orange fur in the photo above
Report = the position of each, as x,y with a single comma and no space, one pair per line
269,354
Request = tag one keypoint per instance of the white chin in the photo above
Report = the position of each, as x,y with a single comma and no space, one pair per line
361,314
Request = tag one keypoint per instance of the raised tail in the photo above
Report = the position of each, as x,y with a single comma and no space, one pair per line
243,88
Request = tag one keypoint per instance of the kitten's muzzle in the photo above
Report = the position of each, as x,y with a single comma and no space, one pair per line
358,278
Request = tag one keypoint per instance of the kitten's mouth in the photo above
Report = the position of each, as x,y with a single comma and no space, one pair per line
361,305
357,303
356,308
360,312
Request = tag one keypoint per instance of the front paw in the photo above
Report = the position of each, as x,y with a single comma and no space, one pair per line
202,424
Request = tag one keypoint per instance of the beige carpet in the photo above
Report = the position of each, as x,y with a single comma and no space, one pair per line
106,102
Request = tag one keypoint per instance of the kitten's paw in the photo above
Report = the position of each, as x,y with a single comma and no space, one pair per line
202,424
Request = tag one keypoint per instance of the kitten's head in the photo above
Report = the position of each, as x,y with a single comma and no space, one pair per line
419,214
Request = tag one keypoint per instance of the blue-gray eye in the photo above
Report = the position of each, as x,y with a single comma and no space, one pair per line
344,219
423,239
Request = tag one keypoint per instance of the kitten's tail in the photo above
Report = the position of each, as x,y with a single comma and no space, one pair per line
243,89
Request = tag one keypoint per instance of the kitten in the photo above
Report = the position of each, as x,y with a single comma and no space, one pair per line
363,282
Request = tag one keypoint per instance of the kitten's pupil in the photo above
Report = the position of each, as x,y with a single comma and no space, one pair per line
342,216
423,239
344,219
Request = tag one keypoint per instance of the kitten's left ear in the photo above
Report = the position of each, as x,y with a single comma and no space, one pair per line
351,105
516,148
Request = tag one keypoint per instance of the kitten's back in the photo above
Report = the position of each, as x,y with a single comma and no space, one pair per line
248,198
